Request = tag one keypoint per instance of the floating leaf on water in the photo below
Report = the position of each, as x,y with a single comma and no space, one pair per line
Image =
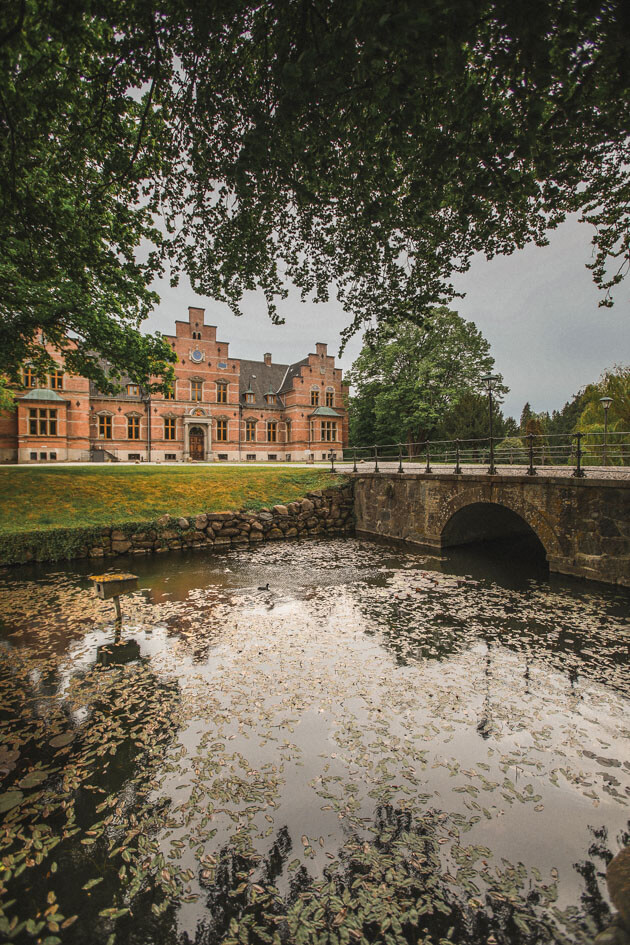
59,741
9,800
33,778
92,882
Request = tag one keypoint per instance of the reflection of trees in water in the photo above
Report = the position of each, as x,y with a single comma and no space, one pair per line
593,874
426,624
95,778
400,884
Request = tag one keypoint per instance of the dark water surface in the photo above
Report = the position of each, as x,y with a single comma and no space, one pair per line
381,748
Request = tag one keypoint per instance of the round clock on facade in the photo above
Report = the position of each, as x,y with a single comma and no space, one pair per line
196,355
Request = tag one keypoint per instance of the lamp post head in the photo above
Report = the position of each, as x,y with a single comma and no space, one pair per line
489,380
605,402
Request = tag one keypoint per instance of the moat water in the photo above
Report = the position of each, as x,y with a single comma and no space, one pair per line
381,747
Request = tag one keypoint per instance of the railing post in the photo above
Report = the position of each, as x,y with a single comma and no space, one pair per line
400,465
531,471
376,459
458,469
354,468
428,466
492,468
578,472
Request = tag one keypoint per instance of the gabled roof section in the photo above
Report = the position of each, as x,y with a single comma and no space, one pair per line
41,394
260,379
293,370
123,381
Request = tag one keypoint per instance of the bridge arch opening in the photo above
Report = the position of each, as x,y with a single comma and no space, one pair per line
496,526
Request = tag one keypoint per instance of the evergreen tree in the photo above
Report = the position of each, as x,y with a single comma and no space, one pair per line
526,415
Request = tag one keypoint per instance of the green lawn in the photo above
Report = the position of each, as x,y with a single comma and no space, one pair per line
37,498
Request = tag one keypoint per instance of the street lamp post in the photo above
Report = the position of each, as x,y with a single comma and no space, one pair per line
605,402
489,380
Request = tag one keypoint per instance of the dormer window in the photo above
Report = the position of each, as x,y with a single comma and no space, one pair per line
270,398
133,390
249,397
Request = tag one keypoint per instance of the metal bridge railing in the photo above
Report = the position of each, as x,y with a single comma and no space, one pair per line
532,451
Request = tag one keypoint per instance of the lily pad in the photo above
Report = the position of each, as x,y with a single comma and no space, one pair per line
33,778
9,800
60,741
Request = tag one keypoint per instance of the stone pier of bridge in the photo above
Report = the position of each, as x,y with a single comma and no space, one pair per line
583,524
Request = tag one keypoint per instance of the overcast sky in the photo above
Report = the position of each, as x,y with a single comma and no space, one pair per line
537,308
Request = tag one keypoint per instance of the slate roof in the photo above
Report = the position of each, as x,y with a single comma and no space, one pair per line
42,393
261,378
293,370
122,394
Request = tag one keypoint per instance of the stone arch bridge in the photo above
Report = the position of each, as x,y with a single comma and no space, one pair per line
583,524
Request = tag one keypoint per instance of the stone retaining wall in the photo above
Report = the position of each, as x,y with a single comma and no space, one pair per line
326,512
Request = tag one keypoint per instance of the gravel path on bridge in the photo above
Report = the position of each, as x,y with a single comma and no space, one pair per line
591,472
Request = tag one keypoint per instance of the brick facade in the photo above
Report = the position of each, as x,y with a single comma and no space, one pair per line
223,408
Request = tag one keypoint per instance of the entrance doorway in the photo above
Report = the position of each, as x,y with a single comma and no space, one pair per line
196,443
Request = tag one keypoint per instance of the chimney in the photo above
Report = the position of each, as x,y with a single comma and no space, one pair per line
321,349
267,357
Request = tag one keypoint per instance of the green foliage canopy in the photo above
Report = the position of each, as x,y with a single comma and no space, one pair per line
367,145
614,383
408,380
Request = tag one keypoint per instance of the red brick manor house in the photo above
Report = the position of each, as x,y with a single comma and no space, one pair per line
221,408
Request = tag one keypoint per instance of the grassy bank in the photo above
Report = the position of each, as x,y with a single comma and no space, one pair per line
36,499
